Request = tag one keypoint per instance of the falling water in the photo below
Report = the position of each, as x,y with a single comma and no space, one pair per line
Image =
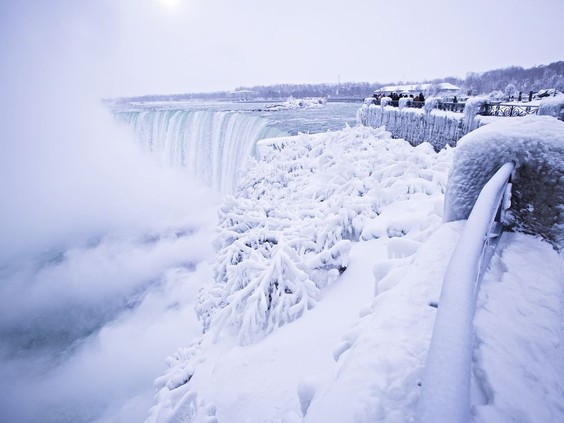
212,145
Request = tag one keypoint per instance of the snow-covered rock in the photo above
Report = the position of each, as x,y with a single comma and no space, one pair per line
536,145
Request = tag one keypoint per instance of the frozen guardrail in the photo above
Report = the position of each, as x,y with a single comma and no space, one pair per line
445,395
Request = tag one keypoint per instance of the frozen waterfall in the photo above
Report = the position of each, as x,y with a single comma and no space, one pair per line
212,145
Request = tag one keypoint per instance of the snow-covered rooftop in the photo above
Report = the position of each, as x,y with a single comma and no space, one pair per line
443,86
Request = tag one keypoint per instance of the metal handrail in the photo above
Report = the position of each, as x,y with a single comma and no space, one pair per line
508,109
445,391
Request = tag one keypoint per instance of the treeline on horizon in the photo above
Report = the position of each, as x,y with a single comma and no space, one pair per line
524,80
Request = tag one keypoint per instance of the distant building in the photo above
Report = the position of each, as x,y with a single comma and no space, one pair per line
241,94
443,87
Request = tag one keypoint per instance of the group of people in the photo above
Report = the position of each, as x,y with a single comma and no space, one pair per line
409,100
396,96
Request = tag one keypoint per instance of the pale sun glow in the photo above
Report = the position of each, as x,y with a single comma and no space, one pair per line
170,4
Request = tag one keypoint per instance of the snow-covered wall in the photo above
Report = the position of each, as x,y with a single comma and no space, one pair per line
536,145
416,126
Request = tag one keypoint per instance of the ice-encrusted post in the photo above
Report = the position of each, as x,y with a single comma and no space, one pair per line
471,108
445,395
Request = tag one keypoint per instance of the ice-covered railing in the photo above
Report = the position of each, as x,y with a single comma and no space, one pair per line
531,150
445,395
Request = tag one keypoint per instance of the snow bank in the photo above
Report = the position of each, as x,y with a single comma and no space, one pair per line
517,369
439,128
536,145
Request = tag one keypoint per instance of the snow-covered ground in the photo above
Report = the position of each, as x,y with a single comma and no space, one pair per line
519,346
283,343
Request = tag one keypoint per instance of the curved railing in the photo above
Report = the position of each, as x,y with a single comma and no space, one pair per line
445,392
509,109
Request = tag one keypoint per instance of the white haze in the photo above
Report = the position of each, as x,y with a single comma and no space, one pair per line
145,46
101,248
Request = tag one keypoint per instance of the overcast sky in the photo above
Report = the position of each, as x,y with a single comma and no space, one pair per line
125,47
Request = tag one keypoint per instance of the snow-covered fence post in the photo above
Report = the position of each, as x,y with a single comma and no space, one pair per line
445,395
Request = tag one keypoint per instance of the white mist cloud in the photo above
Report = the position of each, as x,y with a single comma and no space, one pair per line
99,243
65,165
109,376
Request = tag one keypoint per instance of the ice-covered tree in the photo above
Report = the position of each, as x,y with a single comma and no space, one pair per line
510,91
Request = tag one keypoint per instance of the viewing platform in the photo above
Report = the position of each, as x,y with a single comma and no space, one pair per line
494,108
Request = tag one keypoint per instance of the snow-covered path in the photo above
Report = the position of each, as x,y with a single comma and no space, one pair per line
519,328
378,379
